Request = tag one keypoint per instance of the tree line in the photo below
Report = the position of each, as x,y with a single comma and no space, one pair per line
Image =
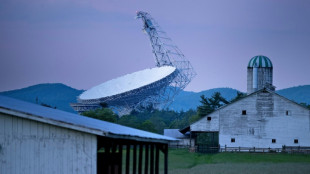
154,120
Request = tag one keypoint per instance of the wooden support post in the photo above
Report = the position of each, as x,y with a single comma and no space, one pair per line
152,160
127,158
140,158
190,140
99,156
157,160
113,157
134,167
120,151
146,161
105,161
166,159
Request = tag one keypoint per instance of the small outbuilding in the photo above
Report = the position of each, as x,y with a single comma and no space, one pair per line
183,139
37,139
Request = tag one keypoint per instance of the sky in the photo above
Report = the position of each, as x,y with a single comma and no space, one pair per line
83,43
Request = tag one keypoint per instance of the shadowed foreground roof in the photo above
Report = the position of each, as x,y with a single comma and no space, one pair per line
76,122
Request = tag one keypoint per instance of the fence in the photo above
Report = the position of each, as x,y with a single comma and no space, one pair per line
296,149
178,146
284,149
249,149
209,149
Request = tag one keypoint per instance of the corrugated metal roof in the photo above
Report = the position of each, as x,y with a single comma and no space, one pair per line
174,133
75,121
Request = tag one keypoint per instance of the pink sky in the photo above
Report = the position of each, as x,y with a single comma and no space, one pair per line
84,43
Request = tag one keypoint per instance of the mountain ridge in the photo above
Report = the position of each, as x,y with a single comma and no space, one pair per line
53,94
60,95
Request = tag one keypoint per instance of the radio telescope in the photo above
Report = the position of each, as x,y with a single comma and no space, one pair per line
156,86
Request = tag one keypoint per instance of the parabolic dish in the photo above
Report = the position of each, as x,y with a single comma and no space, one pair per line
126,83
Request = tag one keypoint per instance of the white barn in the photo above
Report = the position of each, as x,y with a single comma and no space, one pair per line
36,139
262,119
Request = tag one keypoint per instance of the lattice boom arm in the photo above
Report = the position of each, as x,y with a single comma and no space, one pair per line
166,52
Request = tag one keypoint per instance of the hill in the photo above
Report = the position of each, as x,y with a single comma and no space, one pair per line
59,95
190,100
299,94
53,94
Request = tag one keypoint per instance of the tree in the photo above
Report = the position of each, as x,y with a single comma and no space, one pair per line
104,114
148,126
205,108
183,119
210,104
194,118
148,119
305,105
130,120
239,96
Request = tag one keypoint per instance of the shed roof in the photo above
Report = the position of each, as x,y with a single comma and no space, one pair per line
76,122
175,133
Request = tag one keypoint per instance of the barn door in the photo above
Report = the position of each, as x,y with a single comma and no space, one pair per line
207,142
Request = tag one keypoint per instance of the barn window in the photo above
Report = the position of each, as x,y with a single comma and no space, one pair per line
287,113
232,140
243,112
296,141
274,140
209,118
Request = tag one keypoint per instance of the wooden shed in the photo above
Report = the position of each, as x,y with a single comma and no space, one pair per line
36,139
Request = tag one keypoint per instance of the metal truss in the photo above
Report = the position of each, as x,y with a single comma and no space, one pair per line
167,53
159,94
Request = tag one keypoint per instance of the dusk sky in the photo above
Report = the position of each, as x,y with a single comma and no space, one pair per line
83,43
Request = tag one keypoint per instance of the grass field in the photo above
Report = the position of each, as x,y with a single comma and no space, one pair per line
182,162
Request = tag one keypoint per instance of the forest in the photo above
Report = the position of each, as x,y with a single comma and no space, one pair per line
154,120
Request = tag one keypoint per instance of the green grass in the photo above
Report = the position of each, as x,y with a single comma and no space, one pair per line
186,159
182,161
246,168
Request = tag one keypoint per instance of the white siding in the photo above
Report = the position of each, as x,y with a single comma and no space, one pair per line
207,125
31,147
265,120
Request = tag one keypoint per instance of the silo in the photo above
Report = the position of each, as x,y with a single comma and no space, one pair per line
259,74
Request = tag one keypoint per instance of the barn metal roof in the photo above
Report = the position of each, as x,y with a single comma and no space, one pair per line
77,122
